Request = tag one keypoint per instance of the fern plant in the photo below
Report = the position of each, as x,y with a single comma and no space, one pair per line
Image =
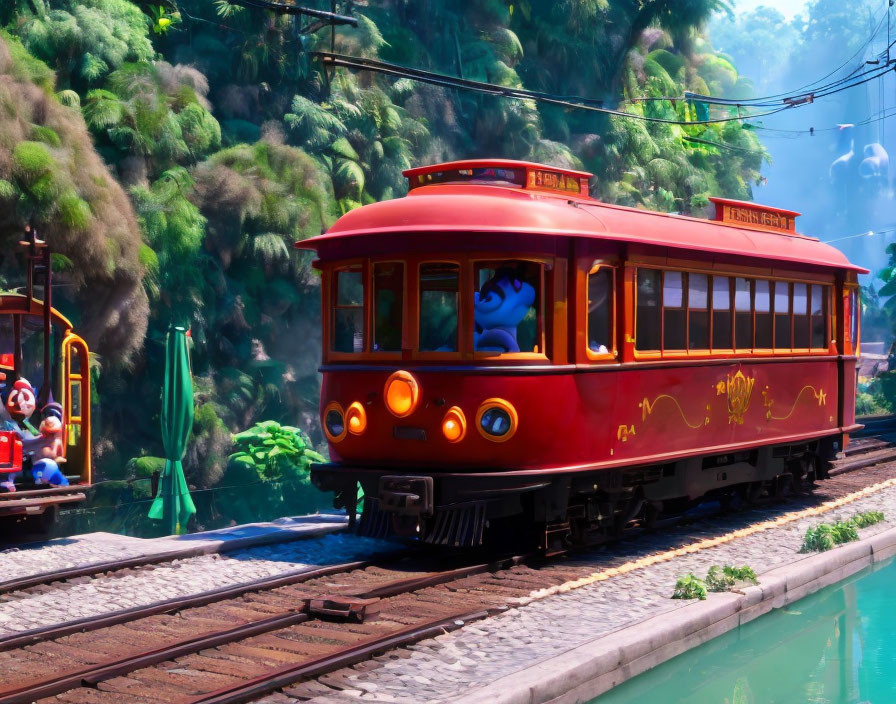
689,587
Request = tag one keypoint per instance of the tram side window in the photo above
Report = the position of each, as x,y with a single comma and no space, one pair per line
600,310
507,305
439,290
647,332
674,322
800,316
388,300
348,311
854,304
783,321
721,313
743,314
762,303
819,301
698,312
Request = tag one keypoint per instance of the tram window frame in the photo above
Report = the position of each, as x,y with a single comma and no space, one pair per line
675,314
360,267
460,337
597,267
763,294
729,281
696,313
801,338
854,320
541,308
824,304
401,305
746,315
656,313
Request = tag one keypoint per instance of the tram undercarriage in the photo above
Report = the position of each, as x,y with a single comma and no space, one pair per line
559,511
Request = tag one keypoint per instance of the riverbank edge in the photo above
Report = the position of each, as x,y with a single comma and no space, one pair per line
584,672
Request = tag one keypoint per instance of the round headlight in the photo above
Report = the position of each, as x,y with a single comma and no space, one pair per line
402,394
496,420
334,422
454,425
356,418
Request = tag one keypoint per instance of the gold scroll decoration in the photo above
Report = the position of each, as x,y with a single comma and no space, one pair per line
819,395
647,407
739,390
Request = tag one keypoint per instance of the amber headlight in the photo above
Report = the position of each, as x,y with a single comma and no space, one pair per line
334,422
496,420
356,418
402,394
454,425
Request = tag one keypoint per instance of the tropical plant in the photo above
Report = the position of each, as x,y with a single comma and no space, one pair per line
275,451
723,579
689,587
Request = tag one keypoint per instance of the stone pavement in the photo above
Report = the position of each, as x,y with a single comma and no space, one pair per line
449,666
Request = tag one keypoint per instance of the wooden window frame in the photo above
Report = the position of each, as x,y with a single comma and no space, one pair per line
371,309
588,267
332,283
542,296
464,275
732,274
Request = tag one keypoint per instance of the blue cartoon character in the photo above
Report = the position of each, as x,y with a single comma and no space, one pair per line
498,308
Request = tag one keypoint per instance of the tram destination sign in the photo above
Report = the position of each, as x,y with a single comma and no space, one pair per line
754,216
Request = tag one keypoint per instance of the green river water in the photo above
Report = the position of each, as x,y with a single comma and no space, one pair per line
837,646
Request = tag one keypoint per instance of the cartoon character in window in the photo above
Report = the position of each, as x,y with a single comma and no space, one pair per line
499,307
22,403
50,452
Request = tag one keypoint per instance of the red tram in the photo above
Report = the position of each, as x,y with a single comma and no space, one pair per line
499,345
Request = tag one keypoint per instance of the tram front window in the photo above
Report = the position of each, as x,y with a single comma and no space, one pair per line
439,290
348,311
506,307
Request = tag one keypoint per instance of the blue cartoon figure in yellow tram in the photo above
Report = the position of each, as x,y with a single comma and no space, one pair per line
498,308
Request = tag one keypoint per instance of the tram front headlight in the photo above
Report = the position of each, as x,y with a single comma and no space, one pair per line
454,425
402,394
356,418
497,420
334,422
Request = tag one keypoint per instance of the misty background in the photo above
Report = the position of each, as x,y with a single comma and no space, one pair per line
829,160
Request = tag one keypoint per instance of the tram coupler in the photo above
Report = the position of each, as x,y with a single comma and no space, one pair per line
406,496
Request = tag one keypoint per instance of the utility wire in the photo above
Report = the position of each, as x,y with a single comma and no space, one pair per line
290,9
446,81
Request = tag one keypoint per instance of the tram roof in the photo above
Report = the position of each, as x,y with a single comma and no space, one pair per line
503,207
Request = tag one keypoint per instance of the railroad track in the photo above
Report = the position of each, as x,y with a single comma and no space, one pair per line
239,643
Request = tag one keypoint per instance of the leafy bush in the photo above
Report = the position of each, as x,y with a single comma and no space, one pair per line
689,587
722,579
275,451
826,535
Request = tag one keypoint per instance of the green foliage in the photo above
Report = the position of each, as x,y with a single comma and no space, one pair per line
84,40
274,451
825,536
689,587
723,579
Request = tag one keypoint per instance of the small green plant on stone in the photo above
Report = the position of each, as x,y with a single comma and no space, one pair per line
844,532
689,587
819,538
723,579
826,535
867,518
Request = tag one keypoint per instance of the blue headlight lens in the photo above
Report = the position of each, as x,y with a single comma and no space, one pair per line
335,422
496,421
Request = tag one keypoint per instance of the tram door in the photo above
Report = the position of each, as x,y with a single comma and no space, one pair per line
76,409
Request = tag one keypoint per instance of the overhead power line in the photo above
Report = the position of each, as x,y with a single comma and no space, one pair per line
447,81
287,8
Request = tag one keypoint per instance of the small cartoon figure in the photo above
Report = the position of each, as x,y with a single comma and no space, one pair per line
9,425
22,403
46,468
498,308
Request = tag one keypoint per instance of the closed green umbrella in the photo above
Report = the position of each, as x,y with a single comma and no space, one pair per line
173,503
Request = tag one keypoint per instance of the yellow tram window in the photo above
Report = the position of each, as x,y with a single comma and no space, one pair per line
348,311
783,319
698,312
800,316
507,312
600,310
388,300
763,306
75,410
674,322
818,301
854,311
647,332
721,313
439,291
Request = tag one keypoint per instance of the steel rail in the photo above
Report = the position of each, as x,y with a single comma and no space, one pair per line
97,568
90,675
351,655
